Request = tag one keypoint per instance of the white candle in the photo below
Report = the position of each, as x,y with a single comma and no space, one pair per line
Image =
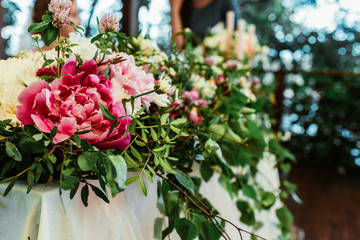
251,40
240,38
230,22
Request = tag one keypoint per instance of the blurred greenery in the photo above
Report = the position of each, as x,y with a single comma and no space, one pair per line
322,84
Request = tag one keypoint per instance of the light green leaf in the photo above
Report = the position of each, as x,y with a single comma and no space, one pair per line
131,180
86,164
136,153
121,170
178,121
142,186
164,118
12,151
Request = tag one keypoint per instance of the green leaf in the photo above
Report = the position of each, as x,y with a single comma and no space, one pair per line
159,149
185,180
12,151
53,132
38,27
267,199
179,121
77,140
148,176
249,191
163,118
144,135
68,171
247,213
29,145
9,187
165,164
99,193
66,185
106,112
285,217
46,17
158,228
30,180
153,134
139,143
131,180
185,228
209,231
87,164
130,161
85,195
136,153
142,186
119,164
50,34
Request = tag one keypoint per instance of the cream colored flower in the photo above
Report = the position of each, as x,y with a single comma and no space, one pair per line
163,86
15,75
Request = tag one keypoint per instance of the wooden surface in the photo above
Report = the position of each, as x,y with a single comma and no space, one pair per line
331,203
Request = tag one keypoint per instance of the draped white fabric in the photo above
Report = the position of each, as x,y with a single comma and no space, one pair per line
40,215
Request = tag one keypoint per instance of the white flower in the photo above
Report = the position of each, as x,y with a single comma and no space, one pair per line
162,100
85,48
207,89
163,85
15,74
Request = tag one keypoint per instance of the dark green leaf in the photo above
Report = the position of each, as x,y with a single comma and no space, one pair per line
185,228
106,112
50,34
9,187
38,27
85,195
249,191
53,132
99,193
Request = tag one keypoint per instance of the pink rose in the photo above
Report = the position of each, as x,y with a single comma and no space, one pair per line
194,115
71,104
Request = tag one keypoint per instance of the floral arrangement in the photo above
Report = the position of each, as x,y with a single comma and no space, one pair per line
132,108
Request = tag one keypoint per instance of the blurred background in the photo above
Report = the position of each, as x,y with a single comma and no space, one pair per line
315,64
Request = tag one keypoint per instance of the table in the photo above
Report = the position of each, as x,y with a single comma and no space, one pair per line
40,215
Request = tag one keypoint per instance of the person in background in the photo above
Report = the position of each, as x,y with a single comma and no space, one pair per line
41,6
198,15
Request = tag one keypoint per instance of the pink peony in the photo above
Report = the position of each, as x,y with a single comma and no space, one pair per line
130,80
190,96
71,104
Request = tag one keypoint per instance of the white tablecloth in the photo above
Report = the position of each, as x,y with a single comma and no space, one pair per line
130,215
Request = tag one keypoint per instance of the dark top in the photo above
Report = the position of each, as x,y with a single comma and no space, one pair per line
201,19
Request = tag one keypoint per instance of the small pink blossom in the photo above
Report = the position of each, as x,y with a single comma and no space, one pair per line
194,115
61,12
109,22
71,104
190,96
209,60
